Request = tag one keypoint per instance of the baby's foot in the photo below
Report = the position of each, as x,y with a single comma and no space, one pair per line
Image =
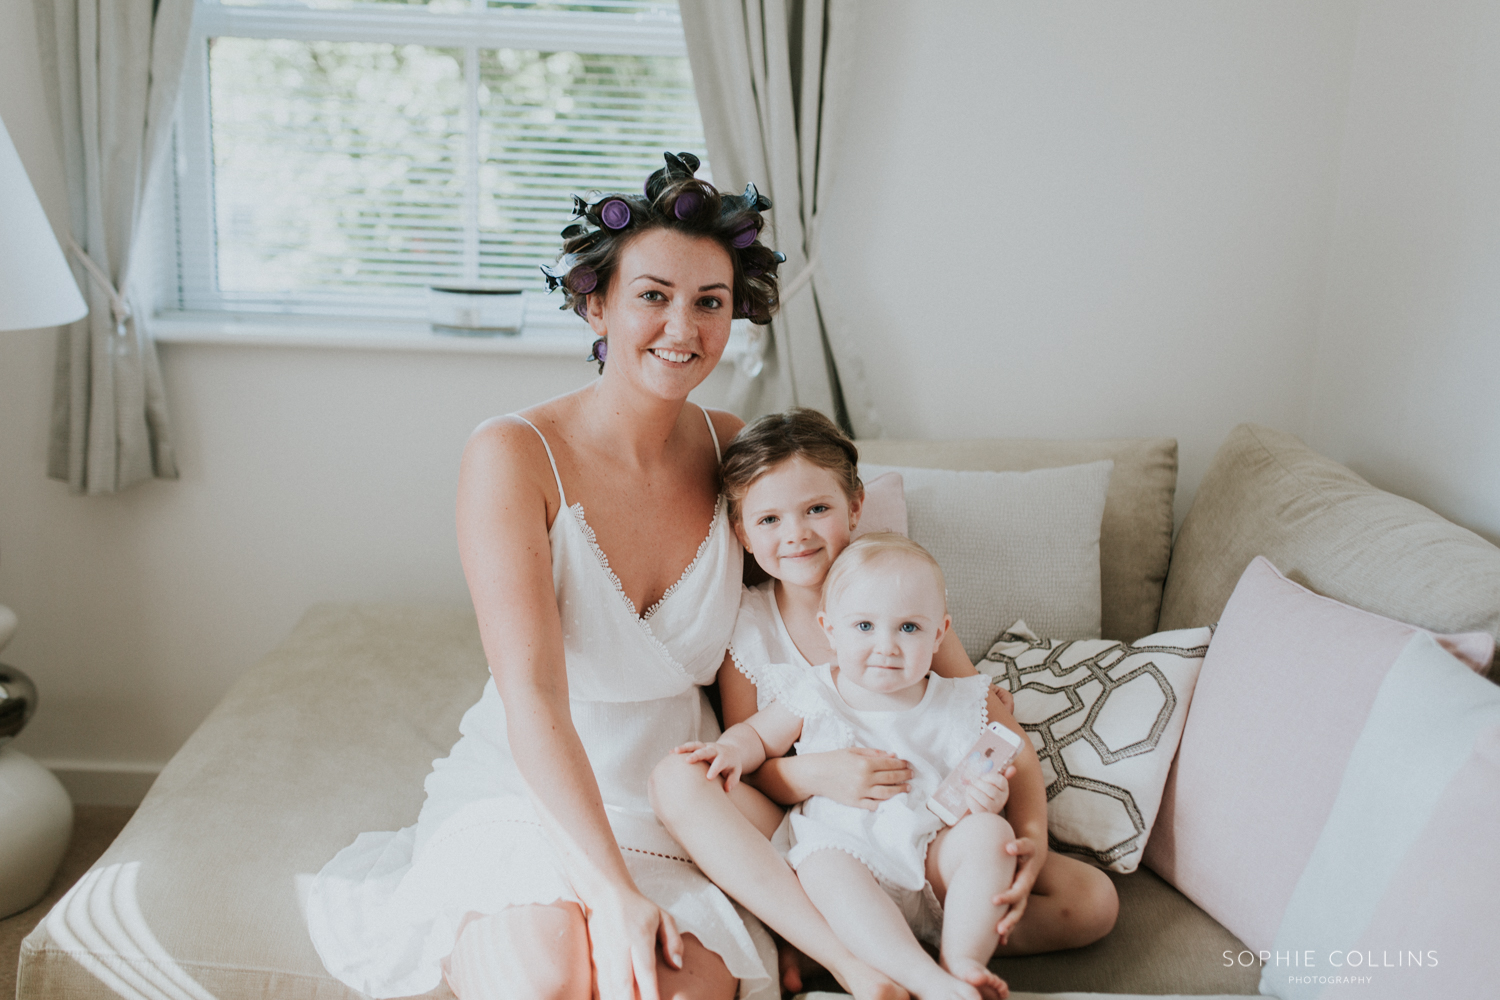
941,986
989,985
867,984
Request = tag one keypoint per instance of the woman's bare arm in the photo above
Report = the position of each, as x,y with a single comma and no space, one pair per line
506,554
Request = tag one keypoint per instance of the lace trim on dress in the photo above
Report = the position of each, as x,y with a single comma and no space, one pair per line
982,701
740,665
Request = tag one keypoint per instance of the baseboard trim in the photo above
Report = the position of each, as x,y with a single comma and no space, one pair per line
103,783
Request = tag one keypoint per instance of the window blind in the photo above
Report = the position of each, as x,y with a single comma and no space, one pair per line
332,163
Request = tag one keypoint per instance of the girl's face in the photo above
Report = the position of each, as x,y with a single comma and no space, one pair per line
884,621
666,312
795,520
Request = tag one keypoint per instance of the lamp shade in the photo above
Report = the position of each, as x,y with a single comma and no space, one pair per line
36,287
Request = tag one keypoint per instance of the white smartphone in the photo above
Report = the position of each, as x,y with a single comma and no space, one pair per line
996,747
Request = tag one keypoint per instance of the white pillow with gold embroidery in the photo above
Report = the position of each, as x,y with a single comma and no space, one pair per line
1105,718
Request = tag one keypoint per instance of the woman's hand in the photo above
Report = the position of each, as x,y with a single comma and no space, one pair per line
858,776
989,792
724,760
625,931
1029,860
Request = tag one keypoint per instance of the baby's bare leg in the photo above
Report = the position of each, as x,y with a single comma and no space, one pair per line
726,835
967,866
869,922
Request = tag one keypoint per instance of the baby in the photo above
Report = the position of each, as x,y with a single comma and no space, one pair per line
884,876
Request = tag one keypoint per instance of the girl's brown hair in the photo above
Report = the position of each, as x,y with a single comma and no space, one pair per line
777,437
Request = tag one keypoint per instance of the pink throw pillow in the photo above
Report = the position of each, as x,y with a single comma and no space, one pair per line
885,505
1286,686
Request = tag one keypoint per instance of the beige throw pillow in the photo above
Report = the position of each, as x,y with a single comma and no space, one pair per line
1011,545
1105,718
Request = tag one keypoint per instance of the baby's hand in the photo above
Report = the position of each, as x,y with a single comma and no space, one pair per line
861,777
989,792
724,761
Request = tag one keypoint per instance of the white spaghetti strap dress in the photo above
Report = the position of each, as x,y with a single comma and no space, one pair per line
385,912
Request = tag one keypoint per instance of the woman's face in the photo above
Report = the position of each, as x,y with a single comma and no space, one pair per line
666,312
795,520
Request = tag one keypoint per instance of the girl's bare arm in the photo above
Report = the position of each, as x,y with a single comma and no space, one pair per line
506,554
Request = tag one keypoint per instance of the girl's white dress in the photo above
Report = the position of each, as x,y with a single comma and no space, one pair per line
933,736
385,912
761,639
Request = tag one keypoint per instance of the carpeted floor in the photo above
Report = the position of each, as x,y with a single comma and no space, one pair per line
94,828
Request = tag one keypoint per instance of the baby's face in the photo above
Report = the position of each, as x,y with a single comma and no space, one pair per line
795,520
885,620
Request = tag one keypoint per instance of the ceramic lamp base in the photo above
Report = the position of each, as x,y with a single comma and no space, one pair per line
36,820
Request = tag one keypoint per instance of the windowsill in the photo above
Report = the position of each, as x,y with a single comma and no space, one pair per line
549,339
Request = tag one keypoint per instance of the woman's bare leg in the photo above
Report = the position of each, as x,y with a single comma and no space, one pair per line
1071,905
542,953
866,919
726,837
522,953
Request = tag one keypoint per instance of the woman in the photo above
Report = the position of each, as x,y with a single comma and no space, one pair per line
536,868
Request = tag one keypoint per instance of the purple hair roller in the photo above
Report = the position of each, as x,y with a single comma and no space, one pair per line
744,237
615,213
687,204
582,280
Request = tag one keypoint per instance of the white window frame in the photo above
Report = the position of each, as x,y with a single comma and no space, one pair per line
472,30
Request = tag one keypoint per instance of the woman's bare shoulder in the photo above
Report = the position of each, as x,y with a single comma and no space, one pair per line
506,454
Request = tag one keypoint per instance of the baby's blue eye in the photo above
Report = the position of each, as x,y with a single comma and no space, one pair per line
864,626
818,508
768,519
909,627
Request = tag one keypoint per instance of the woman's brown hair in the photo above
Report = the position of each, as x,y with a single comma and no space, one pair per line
796,433
672,199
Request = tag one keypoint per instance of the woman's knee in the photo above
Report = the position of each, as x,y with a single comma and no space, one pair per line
703,975
522,953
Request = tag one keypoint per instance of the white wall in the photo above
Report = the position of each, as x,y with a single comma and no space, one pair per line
1062,220
1088,220
307,475
1405,388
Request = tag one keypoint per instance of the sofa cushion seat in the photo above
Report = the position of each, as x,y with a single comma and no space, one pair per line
332,735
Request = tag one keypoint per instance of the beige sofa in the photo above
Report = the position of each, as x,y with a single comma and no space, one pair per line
333,732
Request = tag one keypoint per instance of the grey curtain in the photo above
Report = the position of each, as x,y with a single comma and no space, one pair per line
112,69
770,80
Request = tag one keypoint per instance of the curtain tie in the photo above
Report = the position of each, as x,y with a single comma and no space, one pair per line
117,305
801,281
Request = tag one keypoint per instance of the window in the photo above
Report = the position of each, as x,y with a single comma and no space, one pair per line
338,157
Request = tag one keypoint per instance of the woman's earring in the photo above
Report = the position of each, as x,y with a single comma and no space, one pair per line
598,352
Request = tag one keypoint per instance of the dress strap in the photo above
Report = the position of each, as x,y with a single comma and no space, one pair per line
562,496
719,455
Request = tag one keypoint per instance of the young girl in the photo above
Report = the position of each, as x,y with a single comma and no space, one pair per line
793,494
878,876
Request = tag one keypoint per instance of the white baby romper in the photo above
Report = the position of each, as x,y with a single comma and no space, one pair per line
933,736
385,912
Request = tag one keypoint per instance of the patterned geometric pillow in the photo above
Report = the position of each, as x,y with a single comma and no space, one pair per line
1105,718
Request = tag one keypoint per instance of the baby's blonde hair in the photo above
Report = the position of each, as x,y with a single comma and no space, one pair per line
868,548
